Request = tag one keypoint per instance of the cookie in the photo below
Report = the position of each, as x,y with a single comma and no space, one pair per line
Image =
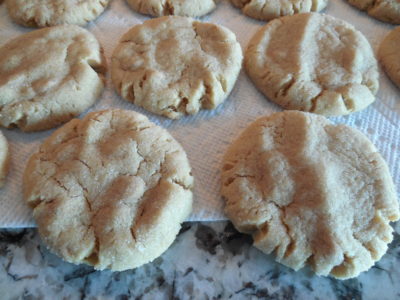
313,62
173,66
389,55
42,13
383,10
4,159
109,190
311,192
266,10
48,76
185,8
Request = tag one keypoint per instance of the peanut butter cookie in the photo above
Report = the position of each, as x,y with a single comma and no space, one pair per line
185,8
109,190
48,76
313,62
42,13
266,10
389,55
173,66
311,192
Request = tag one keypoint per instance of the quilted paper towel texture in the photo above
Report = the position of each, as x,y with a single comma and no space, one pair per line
206,136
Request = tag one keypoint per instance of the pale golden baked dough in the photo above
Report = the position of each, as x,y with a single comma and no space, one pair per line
313,62
383,10
186,8
109,190
4,159
48,76
389,55
42,13
175,66
311,192
270,9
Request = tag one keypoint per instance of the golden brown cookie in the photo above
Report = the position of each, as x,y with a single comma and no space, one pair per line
42,13
270,9
383,10
173,66
48,76
185,8
389,55
311,192
313,62
109,190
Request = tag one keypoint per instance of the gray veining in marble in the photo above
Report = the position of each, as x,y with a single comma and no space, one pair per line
207,261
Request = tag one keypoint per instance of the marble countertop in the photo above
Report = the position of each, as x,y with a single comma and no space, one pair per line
207,261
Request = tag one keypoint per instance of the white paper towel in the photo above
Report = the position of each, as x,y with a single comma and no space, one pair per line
206,136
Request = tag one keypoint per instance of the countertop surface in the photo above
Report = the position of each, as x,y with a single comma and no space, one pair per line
207,261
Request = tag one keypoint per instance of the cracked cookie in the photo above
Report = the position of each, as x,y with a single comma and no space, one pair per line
48,76
173,66
266,10
109,190
186,8
4,159
311,192
389,55
313,62
42,13
383,10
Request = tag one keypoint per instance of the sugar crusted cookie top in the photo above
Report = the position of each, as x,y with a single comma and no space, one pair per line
270,9
186,8
313,62
311,192
48,76
109,190
383,10
174,66
389,55
42,13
